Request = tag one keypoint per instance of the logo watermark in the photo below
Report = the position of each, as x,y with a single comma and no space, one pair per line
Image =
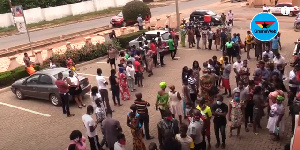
264,26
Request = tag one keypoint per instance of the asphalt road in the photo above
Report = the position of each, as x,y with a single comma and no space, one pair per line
14,40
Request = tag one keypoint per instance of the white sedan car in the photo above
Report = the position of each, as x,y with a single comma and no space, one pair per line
149,36
285,9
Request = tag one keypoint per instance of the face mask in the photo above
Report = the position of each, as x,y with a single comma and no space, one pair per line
123,142
219,102
236,98
169,118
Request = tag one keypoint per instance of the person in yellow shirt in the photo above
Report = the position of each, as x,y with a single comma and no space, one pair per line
248,43
206,112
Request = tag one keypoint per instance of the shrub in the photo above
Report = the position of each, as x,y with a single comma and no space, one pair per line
125,39
132,9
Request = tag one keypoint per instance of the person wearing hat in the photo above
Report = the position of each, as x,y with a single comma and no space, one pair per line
162,101
140,21
275,122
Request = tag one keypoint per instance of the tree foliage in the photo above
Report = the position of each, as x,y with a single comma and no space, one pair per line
132,9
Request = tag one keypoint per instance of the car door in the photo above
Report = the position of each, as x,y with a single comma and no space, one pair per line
45,86
30,86
277,9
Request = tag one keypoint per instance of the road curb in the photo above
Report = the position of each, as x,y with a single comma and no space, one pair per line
6,89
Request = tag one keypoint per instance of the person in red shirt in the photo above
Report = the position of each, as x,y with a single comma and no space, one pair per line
153,48
63,89
138,71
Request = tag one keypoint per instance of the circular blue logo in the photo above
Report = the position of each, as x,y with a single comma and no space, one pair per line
264,26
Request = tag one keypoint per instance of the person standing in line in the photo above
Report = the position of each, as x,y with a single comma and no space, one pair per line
280,60
192,85
230,17
162,100
172,47
269,53
217,38
225,77
186,141
112,54
91,126
185,96
248,44
204,39
196,68
140,22
123,85
94,95
133,122
100,112
182,35
210,38
195,131
111,129
175,103
154,50
102,85
149,61
223,40
198,37
223,19
206,83
229,49
190,34
275,122
121,142
219,111
115,89
236,114
258,108
161,50
75,89
138,72
244,73
293,83
275,44
248,103
130,73
63,89
236,68
143,111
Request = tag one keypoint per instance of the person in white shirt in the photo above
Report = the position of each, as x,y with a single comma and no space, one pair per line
195,130
236,68
94,95
230,17
265,8
279,61
130,73
269,53
102,85
120,144
91,126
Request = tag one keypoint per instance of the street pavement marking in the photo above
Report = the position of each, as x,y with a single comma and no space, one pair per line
88,74
101,62
24,109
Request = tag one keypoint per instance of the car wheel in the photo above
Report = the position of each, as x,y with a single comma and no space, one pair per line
212,23
124,24
291,14
19,94
54,100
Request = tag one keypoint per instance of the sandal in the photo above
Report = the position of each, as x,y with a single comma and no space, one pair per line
83,105
80,107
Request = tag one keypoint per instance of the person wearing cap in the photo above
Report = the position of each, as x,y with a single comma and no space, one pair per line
140,21
162,100
275,122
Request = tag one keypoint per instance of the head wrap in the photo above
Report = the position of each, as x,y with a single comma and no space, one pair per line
280,98
181,26
162,85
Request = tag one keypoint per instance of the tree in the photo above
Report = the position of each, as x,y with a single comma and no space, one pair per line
132,9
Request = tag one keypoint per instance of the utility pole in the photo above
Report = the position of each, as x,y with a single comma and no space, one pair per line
177,15
11,9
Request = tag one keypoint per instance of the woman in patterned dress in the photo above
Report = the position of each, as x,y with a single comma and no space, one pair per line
244,73
217,38
196,69
206,83
133,121
149,60
123,85
236,114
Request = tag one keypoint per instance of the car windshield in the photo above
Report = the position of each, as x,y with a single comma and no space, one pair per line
120,14
211,13
150,36
65,74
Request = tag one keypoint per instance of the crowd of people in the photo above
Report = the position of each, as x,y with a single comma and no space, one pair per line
199,103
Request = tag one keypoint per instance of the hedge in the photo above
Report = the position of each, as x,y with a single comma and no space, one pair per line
125,39
132,9
9,77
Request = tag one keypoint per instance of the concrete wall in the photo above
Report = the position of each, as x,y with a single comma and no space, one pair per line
36,15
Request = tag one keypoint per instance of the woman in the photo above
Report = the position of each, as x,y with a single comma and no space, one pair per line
206,83
182,35
196,68
122,59
161,48
133,121
190,37
123,85
175,103
275,122
138,72
186,95
229,50
276,80
77,141
94,95
184,74
236,114
162,100
217,38
115,90
130,72
244,73
149,61
258,49
154,50
70,64
75,89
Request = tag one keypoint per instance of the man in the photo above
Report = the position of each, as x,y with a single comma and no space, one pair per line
265,8
195,131
140,22
26,60
293,83
220,110
210,38
225,77
248,43
112,53
167,125
236,68
269,53
170,142
63,89
240,89
102,85
261,73
111,128
279,61
207,114
223,40
172,47
247,96
275,44
230,17
186,141
91,126
198,36
143,111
